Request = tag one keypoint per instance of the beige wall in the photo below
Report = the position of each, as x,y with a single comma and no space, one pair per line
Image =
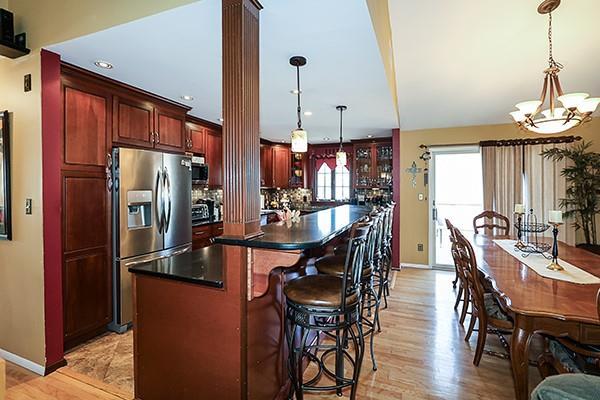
414,214
21,260
21,265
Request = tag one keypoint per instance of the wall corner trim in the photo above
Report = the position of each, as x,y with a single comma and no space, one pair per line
22,362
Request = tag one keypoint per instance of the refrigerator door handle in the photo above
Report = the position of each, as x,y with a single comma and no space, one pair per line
159,201
167,211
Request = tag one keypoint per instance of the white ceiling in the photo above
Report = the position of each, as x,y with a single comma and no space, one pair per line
466,62
178,52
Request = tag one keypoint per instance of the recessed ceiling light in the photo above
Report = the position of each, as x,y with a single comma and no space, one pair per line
187,97
295,91
283,141
221,120
326,139
308,113
369,136
103,64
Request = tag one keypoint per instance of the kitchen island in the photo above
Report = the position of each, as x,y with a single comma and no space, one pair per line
206,331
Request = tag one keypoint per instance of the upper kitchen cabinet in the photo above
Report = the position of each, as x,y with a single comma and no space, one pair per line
282,163
266,165
141,121
195,138
133,121
169,124
214,156
372,164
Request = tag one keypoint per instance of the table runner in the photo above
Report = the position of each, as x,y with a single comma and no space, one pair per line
538,263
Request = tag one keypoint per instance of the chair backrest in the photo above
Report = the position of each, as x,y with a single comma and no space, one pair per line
353,265
598,302
468,264
370,241
502,224
454,248
391,208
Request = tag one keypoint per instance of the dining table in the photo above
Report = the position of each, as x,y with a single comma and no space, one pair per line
540,305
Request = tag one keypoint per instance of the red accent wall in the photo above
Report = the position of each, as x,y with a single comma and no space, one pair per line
51,123
396,189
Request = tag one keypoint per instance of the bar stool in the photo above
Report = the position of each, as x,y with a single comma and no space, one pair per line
386,250
334,265
331,304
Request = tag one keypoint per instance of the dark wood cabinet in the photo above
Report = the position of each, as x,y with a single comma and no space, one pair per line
133,121
196,138
203,235
372,165
86,202
266,165
169,130
281,166
214,157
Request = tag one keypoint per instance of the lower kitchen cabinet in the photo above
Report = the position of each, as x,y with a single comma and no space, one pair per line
203,235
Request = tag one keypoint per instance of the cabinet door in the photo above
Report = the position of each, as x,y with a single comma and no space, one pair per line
281,166
197,138
266,165
133,121
169,130
214,157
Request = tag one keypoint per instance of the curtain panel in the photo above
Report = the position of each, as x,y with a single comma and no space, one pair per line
544,187
502,178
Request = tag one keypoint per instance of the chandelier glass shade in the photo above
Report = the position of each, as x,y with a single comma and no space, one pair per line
299,135
341,158
576,109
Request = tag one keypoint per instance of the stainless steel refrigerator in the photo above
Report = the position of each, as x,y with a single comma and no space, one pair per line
151,217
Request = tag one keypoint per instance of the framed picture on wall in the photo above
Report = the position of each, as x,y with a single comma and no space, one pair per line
5,217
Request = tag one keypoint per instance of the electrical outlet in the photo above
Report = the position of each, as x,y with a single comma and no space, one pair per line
421,197
420,247
27,83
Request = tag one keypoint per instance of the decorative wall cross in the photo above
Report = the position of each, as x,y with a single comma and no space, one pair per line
414,171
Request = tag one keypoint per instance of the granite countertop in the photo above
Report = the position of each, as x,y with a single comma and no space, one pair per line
312,231
203,266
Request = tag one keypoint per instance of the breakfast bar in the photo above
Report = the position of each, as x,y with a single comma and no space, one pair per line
192,311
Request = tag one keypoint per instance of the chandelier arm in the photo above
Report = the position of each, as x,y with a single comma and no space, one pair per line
557,85
552,97
542,97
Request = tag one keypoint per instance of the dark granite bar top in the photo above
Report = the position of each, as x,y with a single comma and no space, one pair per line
203,266
312,231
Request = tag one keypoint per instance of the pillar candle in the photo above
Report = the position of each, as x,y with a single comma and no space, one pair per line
555,217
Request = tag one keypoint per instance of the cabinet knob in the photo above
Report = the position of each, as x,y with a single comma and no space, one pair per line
157,134
151,137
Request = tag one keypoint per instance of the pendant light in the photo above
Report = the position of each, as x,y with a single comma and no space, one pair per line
299,135
577,107
341,157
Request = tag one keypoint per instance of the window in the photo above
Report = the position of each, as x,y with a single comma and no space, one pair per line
333,184
342,183
324,183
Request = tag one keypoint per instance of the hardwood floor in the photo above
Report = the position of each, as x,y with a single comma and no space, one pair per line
421,355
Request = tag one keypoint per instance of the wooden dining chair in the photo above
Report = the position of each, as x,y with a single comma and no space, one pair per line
485,308
496,221
563,355
463,293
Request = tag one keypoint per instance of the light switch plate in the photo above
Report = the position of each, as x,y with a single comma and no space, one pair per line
28,210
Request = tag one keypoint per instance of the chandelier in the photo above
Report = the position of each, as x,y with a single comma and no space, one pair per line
341,158
576,109
299,135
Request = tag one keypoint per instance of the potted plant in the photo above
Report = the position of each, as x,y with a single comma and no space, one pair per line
582,200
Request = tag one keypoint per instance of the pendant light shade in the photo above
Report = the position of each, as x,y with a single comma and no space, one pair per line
341,158
299,135
299,141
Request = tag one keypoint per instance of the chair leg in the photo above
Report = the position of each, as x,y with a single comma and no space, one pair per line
471,326
481,336
455,279
465,307
360,351
375,324
339,359
458,296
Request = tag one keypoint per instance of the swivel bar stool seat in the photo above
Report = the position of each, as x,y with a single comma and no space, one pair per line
318,304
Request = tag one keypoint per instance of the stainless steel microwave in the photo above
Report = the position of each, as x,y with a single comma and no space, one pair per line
199,171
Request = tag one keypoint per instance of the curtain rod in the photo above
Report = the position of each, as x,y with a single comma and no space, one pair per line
526,142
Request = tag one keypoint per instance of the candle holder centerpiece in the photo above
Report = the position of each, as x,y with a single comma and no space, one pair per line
528,232
555,219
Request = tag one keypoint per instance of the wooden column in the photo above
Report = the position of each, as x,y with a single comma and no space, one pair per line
241,143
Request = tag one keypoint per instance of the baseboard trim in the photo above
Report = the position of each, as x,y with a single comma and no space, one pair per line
22,362
51,368
418,266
